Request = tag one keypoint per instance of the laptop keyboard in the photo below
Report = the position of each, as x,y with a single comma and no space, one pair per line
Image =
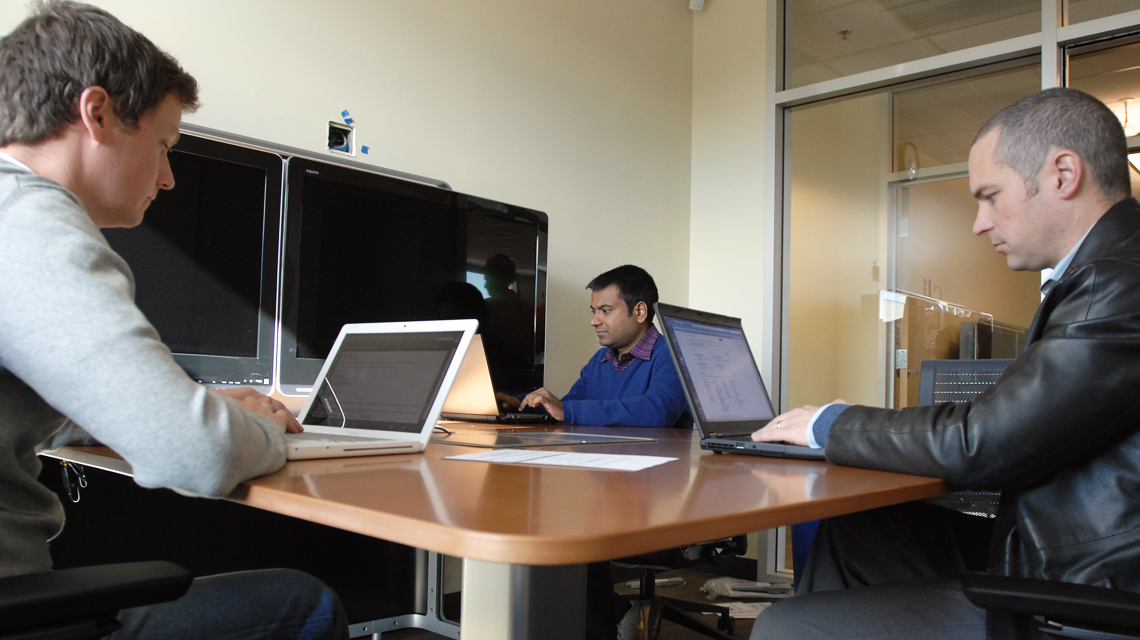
527,418
739,436
325,437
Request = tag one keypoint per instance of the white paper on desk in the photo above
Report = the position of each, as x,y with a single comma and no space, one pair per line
566,459
742,610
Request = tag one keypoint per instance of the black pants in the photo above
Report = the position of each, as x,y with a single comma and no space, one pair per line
602,603
887,573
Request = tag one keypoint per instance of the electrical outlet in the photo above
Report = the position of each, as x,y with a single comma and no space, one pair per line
342,138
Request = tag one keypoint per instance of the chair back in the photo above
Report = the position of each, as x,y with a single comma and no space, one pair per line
960,381
956,380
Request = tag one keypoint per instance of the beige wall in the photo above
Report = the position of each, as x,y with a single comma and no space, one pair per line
726,270
580,109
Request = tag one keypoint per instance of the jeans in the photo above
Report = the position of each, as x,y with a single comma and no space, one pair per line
269,604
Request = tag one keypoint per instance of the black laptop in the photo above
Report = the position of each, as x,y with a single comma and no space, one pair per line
726,395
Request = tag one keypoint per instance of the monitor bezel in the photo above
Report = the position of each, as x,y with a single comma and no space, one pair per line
218,371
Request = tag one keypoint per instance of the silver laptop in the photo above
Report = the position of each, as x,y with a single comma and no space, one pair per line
726,394
472,397
381,389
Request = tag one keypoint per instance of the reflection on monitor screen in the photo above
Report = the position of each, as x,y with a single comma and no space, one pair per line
361,247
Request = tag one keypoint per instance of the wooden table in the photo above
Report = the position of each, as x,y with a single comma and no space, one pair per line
525,532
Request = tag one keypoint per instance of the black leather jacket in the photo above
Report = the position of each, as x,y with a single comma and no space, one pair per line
1059,433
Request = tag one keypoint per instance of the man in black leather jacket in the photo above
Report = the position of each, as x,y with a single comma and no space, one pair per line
1059,433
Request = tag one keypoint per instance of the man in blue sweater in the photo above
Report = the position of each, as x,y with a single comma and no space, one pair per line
631,380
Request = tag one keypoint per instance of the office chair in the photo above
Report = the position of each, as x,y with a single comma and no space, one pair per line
82,603
1055,609
939,381
674,610
960,381
956,380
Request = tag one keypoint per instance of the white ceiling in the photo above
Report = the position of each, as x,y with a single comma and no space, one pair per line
941,120
885,32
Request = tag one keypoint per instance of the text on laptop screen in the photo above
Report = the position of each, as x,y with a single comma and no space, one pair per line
721,372
384,382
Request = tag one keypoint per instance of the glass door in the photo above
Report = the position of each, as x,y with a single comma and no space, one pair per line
950,295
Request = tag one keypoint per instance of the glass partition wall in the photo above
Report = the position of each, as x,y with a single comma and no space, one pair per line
1077,11
1110,71
874,108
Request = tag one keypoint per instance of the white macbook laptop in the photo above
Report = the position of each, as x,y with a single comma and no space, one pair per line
381,389
472,397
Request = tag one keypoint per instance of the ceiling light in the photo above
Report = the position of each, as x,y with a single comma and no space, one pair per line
1134,160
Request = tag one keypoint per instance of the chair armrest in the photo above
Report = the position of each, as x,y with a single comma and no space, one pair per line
1058,601
50,597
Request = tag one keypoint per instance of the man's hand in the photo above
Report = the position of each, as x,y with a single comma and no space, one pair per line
543,397
790,427
256,402
506,402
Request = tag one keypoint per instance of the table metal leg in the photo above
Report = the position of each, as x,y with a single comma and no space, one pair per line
429,604
516,602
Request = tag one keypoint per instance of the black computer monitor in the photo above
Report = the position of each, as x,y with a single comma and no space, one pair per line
364,247
205,261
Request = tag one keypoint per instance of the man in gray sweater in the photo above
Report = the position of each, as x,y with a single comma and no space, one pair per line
89,109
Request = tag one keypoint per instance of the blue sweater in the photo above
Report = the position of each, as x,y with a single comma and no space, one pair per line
645,394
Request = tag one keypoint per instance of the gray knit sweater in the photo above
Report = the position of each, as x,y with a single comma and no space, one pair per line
73,346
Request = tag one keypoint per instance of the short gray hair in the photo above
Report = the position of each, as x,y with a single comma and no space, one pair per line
64,48
1034,126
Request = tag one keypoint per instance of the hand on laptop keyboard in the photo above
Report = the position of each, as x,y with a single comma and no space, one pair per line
257,402
790,427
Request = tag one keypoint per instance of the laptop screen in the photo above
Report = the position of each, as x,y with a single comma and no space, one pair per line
384,381
717,366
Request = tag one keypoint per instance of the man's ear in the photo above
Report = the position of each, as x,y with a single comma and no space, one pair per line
641,311
95,112
1066,172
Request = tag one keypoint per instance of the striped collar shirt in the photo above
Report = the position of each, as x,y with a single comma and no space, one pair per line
643,350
